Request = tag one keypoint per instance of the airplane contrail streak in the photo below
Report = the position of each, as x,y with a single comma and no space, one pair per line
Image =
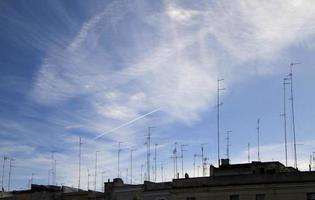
127,123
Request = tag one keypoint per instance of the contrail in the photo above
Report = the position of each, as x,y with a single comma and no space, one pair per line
127,123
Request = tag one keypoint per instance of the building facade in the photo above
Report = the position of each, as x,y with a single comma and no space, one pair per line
249,181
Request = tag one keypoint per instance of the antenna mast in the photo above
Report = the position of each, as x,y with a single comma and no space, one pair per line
155,146
95,174
118,159
248,151
182,157
285,120
258,150
141,180
148,151
3,166
228,144
88,181
131,151
10,172
80,145
202,159
218,117
162,172
292,109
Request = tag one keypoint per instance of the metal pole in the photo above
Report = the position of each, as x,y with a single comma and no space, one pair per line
218,117
131,150
10,171
248,151
162,172
95,174
118,160
202,160
228,144
285,121
155,162
176,169
258,150
55,166
141,179
292,108
88,181
3,167
148,151
80,146
182,157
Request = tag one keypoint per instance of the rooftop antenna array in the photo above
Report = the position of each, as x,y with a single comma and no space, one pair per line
118,159
285,82
228,144
148,137
182,156
95,173
155,146
292,110
258,139
80,146
219,103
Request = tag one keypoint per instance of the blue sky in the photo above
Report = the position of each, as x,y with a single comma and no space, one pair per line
84,68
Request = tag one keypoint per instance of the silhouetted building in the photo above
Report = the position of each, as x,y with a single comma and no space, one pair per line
249,181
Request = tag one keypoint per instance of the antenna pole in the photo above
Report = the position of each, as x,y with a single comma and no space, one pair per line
88,181
292,109
182,157
176,169
202,160
3,166
95,173
80,146
141,179
285,120
162,172
218,117
10,172
248,151
228,144
131,151
258,150
195,155
148,151
118,159
55,166
155,146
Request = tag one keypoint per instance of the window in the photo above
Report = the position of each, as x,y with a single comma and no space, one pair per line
260,196
310,196
191,198
234,197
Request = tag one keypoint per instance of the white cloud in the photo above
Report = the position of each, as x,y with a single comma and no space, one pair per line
169,58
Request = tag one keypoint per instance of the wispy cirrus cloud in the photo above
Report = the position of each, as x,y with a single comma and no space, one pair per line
131,58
